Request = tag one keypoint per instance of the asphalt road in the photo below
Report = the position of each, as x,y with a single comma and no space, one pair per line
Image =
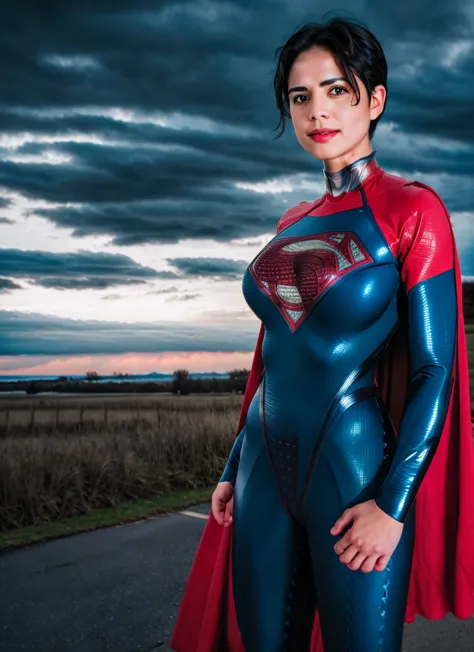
119,589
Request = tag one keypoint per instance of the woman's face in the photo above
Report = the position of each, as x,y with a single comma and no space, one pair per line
328,102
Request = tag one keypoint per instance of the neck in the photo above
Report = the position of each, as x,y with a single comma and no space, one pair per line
350,177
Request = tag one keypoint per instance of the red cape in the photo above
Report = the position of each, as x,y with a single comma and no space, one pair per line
442,577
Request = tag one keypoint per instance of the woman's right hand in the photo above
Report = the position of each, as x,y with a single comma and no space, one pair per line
222,503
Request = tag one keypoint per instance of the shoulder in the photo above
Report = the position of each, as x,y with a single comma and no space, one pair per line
415,196
402,205
292,214
426,243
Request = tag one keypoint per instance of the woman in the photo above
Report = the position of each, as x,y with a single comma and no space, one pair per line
350,485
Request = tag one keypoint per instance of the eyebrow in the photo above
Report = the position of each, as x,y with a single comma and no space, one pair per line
326,82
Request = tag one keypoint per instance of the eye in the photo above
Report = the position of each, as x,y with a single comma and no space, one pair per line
295,97
339,88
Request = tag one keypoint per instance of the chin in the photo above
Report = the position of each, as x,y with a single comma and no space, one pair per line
324,151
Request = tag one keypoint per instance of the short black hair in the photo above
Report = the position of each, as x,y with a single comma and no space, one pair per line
354,48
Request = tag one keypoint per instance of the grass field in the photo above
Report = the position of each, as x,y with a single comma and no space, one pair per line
65,467
67,457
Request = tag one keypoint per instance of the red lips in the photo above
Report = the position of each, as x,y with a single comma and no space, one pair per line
322,135
321,131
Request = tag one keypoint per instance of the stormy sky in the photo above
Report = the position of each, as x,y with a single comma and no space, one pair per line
140,173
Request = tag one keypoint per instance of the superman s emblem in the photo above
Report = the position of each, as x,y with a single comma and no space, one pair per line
294,272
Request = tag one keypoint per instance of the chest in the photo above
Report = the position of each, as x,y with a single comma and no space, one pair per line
338,268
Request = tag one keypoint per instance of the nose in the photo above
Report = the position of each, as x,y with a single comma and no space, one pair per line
318,110
318,113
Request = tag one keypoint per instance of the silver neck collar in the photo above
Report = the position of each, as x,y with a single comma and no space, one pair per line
350,177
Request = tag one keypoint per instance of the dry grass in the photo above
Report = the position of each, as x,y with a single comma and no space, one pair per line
71,468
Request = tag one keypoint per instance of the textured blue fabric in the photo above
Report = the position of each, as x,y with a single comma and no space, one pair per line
432,335
316,439
230,471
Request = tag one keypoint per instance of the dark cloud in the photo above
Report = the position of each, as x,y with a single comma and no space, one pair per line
32,334
97,271
82,270
205,69
172,220
151,195
102,173
6,285
214,61
213,267
163,55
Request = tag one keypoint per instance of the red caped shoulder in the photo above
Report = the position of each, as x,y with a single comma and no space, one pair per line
292,214
411,195
398,203
416,225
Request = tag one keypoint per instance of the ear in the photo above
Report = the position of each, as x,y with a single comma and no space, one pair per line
377,101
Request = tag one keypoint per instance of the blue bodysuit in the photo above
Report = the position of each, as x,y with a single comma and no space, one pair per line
329,289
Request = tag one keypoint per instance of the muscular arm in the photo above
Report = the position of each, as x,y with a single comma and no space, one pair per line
427,270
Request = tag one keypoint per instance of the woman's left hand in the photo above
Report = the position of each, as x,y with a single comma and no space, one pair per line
371,540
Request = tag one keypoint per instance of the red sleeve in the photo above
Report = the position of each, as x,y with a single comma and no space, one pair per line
426,239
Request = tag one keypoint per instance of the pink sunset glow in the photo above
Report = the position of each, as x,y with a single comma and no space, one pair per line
133,363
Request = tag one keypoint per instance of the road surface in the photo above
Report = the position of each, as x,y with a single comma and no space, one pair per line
119,588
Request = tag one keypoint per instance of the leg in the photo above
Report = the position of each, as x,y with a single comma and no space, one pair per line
360,612
271,572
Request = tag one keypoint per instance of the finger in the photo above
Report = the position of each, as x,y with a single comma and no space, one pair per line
346,518
217,511
381,563
349,554
357,562
369,563
217,514
228,513
343,543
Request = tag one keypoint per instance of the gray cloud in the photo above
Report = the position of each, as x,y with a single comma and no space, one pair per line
214,267
33,334
155,183
7,285
63,64
165,290
186,296
74,270
88,270
138,49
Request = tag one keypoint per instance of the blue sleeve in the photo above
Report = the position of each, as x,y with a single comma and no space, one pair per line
432,334
231,468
